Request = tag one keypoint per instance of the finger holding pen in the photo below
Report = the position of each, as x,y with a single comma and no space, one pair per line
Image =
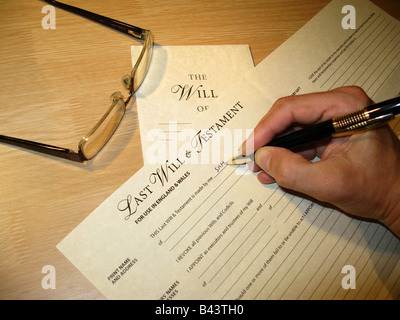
293,113
359,174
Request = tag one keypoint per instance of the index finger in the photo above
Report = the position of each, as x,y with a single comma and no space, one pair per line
303,110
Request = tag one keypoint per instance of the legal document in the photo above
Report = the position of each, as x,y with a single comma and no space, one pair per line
183,86
192,227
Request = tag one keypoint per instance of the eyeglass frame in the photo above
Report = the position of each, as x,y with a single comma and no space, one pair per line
127,80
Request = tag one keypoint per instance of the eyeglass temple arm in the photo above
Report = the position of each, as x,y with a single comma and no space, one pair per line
44,148
120,26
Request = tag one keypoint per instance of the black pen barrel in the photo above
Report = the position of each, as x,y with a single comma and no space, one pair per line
325,129
304,137
384,108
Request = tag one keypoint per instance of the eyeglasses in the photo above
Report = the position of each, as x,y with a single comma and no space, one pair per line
98,136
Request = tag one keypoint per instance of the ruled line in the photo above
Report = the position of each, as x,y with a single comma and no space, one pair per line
366,247
398,55
382,264
382,50
364,50
218,256
252,262
332,265
390,42
305,265
368,52
396,284
212,206
303,247
228,274
365,264
351,254
284,260
350,55
189,216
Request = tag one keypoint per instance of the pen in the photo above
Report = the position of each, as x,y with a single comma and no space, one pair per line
367,118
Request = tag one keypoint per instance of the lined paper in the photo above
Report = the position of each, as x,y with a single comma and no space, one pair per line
182,230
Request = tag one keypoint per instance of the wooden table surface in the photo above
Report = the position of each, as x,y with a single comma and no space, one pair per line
54,84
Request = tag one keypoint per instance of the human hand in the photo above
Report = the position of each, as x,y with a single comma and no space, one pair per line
360,173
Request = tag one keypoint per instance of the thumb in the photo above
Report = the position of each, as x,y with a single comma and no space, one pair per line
290,170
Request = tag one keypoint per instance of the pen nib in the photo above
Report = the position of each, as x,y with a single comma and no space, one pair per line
240,160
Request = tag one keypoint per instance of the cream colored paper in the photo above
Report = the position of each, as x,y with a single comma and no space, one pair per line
177,230
182,89
323,56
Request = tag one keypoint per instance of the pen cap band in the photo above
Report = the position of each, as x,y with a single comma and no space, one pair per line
357,122
354,121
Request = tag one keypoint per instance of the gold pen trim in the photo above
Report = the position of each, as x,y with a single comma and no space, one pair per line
349,123
357,122
353,123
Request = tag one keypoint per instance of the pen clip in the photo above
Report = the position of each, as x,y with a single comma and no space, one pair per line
358,122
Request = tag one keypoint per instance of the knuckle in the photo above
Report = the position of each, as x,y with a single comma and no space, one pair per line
356,93
283,101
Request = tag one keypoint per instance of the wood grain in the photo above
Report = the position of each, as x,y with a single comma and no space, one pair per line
55,84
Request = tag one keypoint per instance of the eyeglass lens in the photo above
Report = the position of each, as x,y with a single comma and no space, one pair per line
91,144
142,65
